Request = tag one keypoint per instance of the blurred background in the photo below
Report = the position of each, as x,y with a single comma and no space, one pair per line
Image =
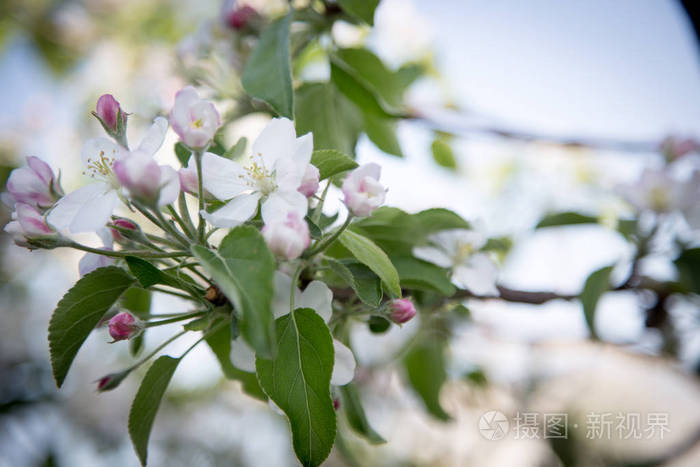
525,76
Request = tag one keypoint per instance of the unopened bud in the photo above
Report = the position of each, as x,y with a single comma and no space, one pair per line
287,238
124,229
309,182
111,117
241,17
111,381
402,310
124,326
35,185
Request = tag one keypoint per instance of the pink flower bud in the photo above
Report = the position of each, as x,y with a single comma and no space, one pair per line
193,119
27,224
35,184
309,182
123,224
402,310
241,17
145,180
287,238
108,111
111,381
362,190
124,326
336,403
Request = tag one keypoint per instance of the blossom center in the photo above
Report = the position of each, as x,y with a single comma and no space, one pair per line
464,251
659,198
101,167
197,123
260,178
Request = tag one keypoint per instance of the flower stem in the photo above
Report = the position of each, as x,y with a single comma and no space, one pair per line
319,208
180,221
200,196
293,290
168,227
125,253
185,212
156,350
172,292
321,245
204,336
175,319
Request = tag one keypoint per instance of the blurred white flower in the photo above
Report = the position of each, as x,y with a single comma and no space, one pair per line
658,191
402,34
458,250
90,207
319,298
278,165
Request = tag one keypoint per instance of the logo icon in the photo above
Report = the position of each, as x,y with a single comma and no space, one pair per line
493,425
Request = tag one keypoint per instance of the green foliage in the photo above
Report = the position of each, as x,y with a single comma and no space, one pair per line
79,311
268,73
182,153
369,254
237,150
378,324
314,230
382,132
333,120
597,284
331,162
688,264
443,154
298,381
361,9
220,343
363,281
145,406
355,413
417,274
425,367
148,275
565,218
243,268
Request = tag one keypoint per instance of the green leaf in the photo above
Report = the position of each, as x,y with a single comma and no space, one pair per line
183,153
378,324
314,230
371,73
268,73
358,94
408,74
331,162
79,311
137,301
425,366
334,121
352,406
298,381
361,9
369,254
596,285
437,219
417,274
688,264
145,406
237,150
442,154
565,218
382,132
363,281
146,273
243,269
220,343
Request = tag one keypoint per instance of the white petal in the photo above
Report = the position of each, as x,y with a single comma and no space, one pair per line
280,203
153,139
318,297
235,212
68,208
169,185
433,255
303,148
478,275
242,355
105,235
91,261
344,366
95,213
222,177
276,140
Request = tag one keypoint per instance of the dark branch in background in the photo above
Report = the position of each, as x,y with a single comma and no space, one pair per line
461,124
518,296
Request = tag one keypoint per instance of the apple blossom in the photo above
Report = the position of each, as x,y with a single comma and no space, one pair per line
287,237
402,310
310,180
194,119
319,298
124,326
458,249
657,190
35,185
273,176
27,224
362,190
108,112
90,207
